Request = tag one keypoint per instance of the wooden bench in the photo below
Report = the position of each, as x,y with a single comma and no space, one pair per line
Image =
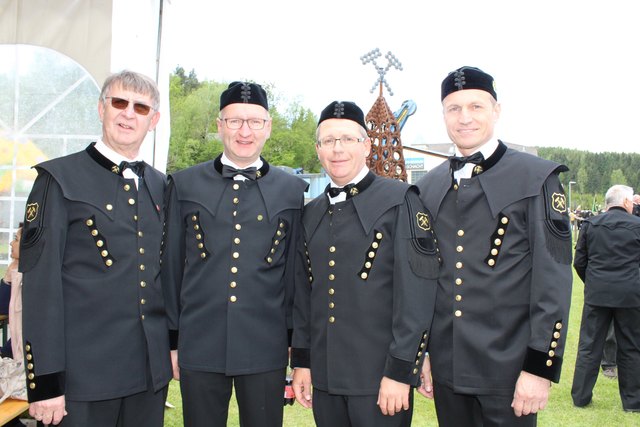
11,408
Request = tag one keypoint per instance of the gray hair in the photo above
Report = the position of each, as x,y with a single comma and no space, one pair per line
617,194
135,82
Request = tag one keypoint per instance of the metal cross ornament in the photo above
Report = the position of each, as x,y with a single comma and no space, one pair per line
392,62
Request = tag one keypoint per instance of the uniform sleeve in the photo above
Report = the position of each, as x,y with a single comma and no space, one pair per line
291,262
41,257
550,237
580,257
300,343
416,267
173,258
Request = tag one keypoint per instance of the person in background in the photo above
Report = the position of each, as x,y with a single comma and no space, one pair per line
365,288
607,259
96,341
233,224
504,288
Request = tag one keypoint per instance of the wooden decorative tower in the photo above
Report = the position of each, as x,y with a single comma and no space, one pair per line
386,158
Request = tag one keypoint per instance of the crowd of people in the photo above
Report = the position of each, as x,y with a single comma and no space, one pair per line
219,276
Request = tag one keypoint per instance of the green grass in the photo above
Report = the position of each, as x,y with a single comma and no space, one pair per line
605,410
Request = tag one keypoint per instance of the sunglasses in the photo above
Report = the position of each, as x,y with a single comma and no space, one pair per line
122,104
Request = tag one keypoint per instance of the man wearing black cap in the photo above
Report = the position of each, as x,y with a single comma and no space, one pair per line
94,327
233,224
505,284
365,287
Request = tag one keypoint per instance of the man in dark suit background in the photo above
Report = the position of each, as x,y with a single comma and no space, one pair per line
607,259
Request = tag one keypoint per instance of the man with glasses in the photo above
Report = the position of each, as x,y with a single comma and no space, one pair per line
233,224
365,287
95,333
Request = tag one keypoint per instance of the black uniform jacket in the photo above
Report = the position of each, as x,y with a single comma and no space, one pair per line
607,259
94,318
228,267
365,288
505,285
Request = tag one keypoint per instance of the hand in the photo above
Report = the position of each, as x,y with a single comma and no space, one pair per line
174,365
393,396
301,384
426,385
531,394
49,411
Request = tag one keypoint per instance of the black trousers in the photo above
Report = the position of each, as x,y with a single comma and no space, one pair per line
609,351
593,330
337,410
206,396
457,410
144,409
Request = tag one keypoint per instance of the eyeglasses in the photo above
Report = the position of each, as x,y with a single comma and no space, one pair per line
122,104
330,142
254,124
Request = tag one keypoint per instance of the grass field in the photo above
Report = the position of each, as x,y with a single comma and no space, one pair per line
604,411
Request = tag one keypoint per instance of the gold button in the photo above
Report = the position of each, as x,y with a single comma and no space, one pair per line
552,353
554,344
459,249
200,245
32,386
549,362
236,255
331,291
127,187
415,371
260,218
458,298
109,263
94,233
30,366
501,231
233,284
424,337
236,240
236,186
27,347
29,356
194,218
142,317
491,262
236,200
276,242
332,263
234,213
141,267
196,227
367,264
458,313
371,254
233,298
281,225
141,250
109,207
143,301
99,243
332,249
494,252
143,284
458,281
497,242
31,376
363,275
89,222
203,255
332,319
332,277
460,233
455,186
505,220
419,354
234,270
198,236
273,251
558,325
135,217
238,226
374,245
458,265
331,305
140,234
269,259
278,233
556,335
132,202
378,236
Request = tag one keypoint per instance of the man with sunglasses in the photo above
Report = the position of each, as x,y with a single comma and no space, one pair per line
366,286
95,334
233,224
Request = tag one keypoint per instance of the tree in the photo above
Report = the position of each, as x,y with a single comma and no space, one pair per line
617,177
